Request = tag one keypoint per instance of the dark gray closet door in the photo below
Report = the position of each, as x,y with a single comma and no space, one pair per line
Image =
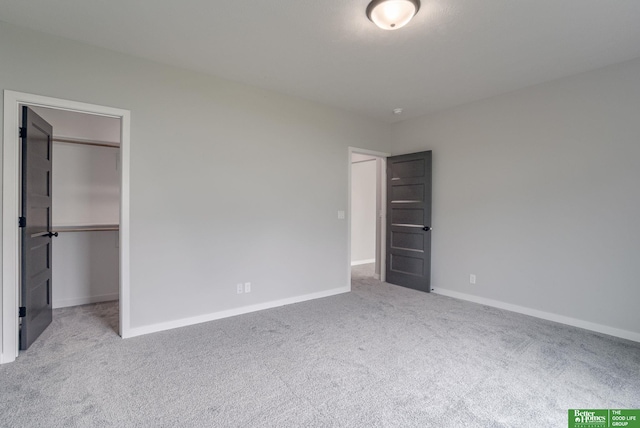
35,225
408,260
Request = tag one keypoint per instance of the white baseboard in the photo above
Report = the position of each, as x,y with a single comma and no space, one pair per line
139,331
63,303
587,325
362,262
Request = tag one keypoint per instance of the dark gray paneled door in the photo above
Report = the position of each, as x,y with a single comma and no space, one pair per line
408,261
35,227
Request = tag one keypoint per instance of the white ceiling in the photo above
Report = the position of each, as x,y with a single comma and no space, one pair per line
453,52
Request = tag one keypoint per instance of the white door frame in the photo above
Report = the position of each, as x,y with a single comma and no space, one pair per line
11,210
381,217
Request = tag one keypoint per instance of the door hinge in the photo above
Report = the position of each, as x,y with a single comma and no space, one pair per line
22,222
23,132
22,311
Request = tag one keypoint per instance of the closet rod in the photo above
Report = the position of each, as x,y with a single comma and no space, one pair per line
92,228
85,142
111,229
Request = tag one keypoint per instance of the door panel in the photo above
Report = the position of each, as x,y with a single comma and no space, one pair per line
407,265
407,241
408,215
409,168
35,239
408,193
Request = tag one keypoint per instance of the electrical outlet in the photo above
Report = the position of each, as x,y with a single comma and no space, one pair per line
247,287
341,215
239,288
472,279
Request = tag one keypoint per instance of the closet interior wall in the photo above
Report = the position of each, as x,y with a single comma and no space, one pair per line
86,207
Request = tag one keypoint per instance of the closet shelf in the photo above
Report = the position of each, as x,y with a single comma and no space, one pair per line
85,142
87,228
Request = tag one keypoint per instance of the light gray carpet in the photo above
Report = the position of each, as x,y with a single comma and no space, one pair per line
381,356
367,271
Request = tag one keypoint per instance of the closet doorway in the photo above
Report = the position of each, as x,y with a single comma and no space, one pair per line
90,209
85,181
367,194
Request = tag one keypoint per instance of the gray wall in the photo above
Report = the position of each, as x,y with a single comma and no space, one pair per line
85,268
228,183
537,193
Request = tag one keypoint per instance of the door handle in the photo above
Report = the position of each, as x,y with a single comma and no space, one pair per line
426,228
51,234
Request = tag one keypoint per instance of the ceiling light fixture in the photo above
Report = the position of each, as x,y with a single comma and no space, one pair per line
392,14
